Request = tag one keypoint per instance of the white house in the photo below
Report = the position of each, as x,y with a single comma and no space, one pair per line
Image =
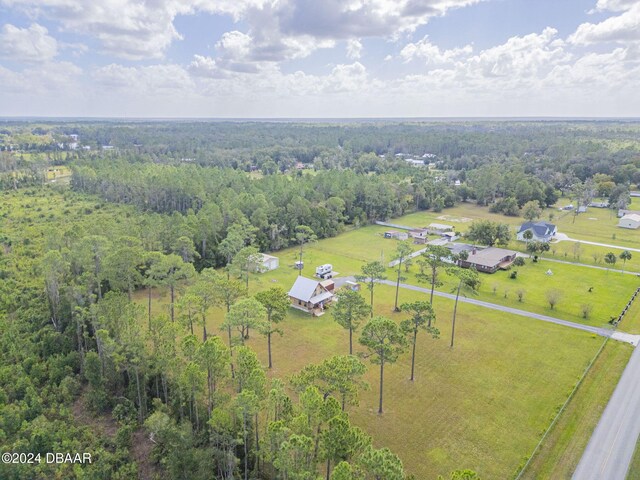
630,220
542,231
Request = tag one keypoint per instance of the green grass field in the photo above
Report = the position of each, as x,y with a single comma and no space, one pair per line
563,447
596,225
482,405
610,292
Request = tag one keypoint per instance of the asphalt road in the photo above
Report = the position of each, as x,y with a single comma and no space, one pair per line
613,442
523,313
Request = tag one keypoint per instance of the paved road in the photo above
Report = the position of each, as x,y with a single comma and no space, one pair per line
523,313
611,446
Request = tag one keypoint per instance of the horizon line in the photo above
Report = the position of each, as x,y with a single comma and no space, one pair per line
5,118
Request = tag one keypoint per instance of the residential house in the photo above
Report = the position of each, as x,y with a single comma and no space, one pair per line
630,220
542,231
310,296
490,259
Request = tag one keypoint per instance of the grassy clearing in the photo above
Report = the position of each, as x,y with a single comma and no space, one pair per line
482,405
610,291
596,225
609,294
561,451
631,321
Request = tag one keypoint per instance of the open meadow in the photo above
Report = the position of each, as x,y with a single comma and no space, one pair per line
483,404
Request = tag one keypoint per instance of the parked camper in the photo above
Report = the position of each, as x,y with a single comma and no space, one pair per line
324,271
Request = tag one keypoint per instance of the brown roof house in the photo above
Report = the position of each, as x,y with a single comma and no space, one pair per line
489,260
310,296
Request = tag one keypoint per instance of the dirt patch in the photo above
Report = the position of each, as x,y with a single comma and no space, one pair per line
102,424
106,426
141,448
450,218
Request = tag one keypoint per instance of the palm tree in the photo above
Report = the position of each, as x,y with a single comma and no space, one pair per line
624,256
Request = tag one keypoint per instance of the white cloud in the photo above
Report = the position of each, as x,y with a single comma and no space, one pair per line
32,44
615,5
432,54
354,48
128,28
149,80
523,57
623,28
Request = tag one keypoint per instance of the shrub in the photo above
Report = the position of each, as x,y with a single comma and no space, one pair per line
513,275
519,261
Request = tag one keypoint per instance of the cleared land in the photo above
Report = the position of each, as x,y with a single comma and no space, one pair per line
563,447
482,405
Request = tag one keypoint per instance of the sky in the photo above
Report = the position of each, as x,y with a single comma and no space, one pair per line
320,58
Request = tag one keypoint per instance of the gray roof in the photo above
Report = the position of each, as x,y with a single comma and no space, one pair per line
303,289
490,256
320,298
540,229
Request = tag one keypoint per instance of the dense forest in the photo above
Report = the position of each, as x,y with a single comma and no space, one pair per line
185,207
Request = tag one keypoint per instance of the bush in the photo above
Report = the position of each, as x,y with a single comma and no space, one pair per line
519,261
513,275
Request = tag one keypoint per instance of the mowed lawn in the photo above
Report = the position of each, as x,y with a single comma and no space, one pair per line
482,405
596,225
610,291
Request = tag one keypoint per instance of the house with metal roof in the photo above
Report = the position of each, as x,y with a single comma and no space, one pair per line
630,220
310,296
542,231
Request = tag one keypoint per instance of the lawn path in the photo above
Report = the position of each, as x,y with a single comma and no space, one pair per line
604,332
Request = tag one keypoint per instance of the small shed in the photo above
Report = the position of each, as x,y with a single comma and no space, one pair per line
329,285
267,263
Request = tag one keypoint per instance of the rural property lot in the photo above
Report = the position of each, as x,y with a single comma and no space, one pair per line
484,404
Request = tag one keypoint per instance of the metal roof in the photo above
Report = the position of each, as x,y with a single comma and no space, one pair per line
489,257
541,229
303,289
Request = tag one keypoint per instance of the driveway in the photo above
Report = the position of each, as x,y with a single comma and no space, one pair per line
562,237
604,332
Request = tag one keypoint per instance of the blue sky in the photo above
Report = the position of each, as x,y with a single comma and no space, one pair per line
319,58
